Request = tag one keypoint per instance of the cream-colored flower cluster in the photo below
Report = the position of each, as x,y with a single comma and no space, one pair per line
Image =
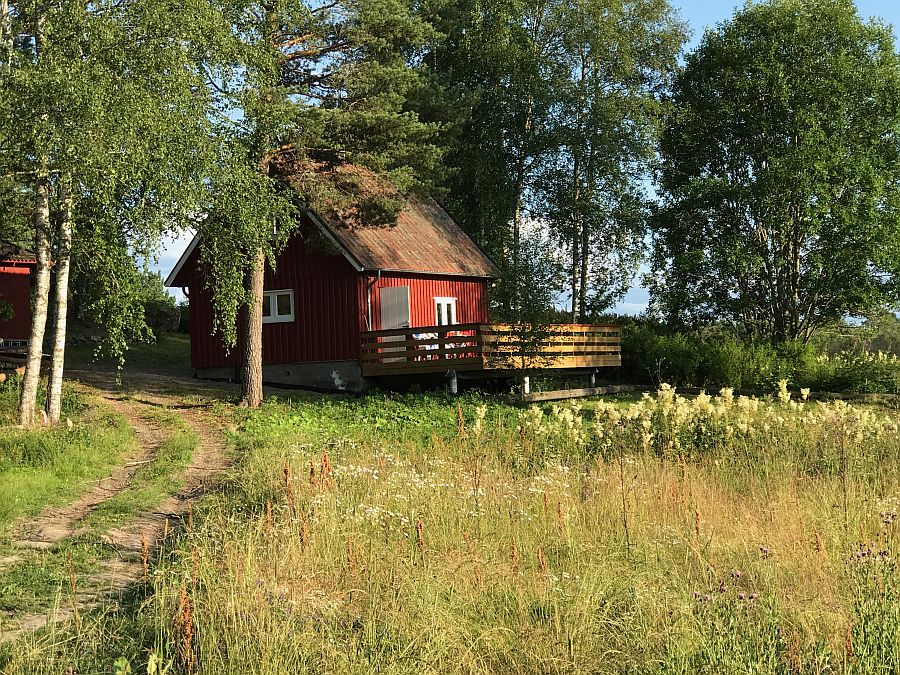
668,423
563,424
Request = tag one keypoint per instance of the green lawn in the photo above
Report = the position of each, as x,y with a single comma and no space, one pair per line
169,355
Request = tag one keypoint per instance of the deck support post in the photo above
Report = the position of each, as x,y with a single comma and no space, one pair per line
593,378
453,381
526,386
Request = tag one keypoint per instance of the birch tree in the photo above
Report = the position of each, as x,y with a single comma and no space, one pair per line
551,109
104,107
622,58
500,70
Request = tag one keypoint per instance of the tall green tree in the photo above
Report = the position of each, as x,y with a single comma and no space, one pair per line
781,173
551,110
104,126
318,83
498,74
622,59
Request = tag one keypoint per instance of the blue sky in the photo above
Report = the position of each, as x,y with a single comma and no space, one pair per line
698,14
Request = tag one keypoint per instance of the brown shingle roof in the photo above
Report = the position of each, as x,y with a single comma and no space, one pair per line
424,239
12,252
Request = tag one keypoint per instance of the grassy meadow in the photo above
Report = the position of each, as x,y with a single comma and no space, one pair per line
424,534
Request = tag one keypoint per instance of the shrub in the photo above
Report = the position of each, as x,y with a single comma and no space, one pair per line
718,359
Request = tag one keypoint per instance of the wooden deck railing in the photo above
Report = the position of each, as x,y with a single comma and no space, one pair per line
467,347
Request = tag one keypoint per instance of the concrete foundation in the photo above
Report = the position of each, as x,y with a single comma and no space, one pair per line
327,375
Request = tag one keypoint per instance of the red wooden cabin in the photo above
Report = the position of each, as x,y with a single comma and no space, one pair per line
347,301
15,290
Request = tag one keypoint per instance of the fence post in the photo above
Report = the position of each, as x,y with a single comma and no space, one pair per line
452,381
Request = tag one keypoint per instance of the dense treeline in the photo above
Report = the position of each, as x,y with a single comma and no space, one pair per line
564,135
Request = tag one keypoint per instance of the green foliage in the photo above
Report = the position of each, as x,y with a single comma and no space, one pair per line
6,310
880,332
781,173
713,360
549,112
718,358
184,316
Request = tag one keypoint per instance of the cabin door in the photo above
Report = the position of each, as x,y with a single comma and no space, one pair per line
395,313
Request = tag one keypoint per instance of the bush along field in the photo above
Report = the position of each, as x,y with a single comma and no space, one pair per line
719,359
717,534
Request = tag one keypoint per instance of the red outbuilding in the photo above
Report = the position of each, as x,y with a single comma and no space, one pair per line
348,300
15,292
337,279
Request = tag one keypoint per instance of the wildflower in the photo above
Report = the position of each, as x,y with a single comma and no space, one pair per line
726,395
804,393
480,413
783,394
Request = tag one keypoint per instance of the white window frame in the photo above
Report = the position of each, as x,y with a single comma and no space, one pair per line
271,298
439,303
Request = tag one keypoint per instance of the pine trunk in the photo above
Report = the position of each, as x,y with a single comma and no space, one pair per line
57,364
28,398
252,379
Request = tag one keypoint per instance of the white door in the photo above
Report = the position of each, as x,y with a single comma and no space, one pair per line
394,314
445,311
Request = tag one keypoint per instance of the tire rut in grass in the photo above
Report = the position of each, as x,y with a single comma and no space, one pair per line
62,522
145,533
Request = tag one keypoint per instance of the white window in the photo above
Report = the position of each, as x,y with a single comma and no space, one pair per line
445,311
278,306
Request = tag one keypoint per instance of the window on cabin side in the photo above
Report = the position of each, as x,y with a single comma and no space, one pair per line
445,311
278,306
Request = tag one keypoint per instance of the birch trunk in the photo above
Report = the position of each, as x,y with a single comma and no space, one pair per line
5,37
28,398
57,364
252,376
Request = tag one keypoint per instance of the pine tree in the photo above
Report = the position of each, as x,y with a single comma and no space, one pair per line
317,81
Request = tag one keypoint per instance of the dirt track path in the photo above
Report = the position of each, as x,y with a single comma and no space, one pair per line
59,522
114,576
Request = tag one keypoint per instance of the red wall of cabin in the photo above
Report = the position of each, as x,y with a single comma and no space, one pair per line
330,308
325,325
15,289
470,294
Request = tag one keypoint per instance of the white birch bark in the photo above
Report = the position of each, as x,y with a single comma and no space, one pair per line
5,37
57,364
28,397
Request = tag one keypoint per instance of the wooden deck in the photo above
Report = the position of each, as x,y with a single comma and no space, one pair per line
487,347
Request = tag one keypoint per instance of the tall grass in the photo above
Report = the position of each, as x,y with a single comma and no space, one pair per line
717,535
